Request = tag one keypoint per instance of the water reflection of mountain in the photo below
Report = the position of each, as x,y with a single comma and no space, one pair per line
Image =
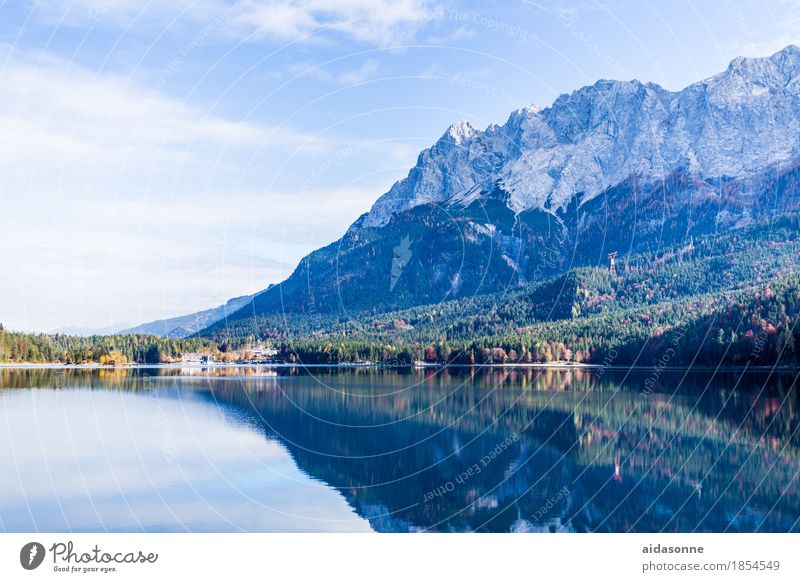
400,448
583,451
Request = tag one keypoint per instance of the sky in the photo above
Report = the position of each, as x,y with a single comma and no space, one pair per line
158,158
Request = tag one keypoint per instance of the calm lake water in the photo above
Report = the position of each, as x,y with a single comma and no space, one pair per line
258,449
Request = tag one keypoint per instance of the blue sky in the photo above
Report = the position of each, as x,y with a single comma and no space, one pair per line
161,157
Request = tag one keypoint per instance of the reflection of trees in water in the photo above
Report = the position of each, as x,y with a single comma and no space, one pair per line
669,449
387,439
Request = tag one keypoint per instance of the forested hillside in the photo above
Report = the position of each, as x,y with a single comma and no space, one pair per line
18,347
617,166
729,297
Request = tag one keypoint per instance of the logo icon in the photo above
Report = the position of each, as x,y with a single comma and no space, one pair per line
31,555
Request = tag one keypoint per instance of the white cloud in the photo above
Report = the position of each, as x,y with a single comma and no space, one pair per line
123,13
460,33
135,260
377,22
343,77
783,22
122,204
56,114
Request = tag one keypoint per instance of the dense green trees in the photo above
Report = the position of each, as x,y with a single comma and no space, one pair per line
729,298
44,348
714,299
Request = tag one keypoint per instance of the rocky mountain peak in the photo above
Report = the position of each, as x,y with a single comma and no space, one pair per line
737,123
459,132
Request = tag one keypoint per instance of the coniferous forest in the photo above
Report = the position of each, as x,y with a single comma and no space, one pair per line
18,347
722,299
728,299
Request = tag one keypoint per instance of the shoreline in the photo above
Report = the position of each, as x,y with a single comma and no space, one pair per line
417,366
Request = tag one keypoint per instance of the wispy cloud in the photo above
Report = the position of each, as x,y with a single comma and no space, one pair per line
459,34
66,126
339,77
53,111
376,22
125,14
749,40
137,260
121,197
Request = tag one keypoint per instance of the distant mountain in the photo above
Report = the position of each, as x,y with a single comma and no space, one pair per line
85,331
186,325
619,166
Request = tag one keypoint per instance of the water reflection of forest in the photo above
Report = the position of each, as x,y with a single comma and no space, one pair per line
703,451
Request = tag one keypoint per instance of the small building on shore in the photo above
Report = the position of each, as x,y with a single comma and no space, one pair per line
196,359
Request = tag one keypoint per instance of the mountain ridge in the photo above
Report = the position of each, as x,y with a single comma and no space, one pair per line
183,326
618,166
563,139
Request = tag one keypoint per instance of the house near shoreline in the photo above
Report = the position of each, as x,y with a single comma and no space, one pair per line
197,359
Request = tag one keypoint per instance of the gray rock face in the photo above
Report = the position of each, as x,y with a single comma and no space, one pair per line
739,123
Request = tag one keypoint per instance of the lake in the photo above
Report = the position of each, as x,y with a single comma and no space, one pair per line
367,449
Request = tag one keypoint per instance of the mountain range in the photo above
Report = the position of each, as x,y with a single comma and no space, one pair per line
616,167
186,325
